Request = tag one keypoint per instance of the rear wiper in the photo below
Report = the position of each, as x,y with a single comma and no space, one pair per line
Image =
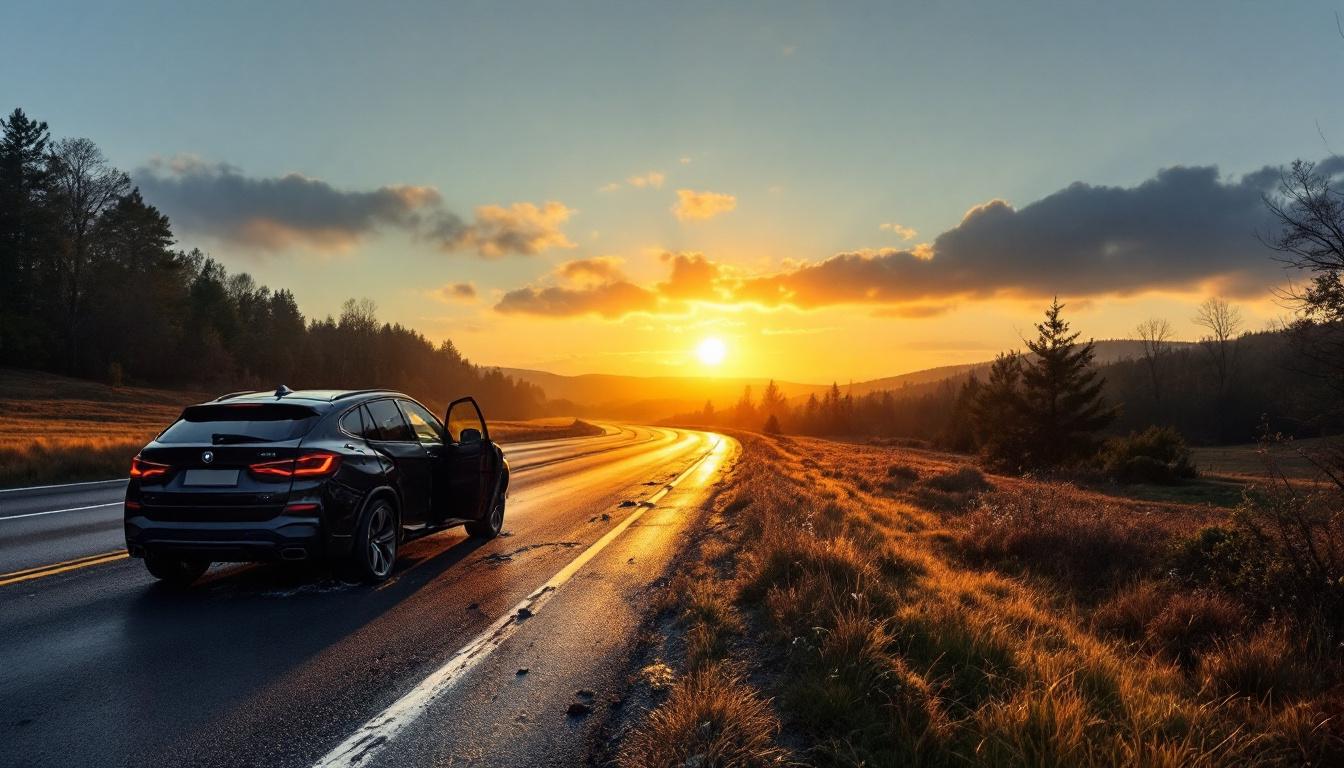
225,438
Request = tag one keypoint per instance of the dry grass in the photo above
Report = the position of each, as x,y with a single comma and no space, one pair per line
712,720
902,609
541,429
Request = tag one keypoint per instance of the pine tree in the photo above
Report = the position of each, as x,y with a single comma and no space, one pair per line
1061,395
773,402
998,413
26,229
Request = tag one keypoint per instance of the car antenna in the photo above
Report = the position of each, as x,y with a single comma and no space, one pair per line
282,390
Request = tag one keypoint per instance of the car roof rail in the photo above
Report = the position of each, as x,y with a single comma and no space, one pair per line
233,394
354,392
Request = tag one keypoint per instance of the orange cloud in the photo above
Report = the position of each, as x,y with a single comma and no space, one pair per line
697,205
523,228
599,269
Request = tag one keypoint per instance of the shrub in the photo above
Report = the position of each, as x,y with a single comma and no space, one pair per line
1156,455
1296,552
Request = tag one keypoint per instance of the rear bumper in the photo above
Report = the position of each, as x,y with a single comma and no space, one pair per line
284,537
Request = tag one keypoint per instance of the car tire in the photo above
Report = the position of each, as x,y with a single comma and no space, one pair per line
375,552
176,571
492,524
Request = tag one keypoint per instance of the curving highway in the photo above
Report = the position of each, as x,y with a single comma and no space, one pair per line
470,655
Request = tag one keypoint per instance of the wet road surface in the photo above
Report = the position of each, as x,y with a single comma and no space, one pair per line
290,666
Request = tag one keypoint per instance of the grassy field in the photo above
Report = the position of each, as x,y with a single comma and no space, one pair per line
55,429
859,605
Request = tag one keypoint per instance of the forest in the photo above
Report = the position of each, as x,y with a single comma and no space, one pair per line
92,284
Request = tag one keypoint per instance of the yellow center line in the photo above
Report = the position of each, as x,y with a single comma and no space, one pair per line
28,574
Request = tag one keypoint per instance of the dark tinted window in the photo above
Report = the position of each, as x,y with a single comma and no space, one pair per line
240,423
423,424
352,423
387,422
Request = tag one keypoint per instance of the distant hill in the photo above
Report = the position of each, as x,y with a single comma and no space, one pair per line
656,397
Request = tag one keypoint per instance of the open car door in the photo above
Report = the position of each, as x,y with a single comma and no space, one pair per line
465,463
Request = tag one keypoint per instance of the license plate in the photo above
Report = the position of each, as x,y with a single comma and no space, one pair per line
211,477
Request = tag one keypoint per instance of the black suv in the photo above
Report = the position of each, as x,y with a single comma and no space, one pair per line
312,474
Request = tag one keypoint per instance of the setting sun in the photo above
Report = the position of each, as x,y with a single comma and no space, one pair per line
711,351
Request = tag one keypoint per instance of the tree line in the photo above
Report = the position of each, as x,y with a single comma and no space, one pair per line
91,285
1229,387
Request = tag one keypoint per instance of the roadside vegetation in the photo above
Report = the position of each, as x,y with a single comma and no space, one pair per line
880,606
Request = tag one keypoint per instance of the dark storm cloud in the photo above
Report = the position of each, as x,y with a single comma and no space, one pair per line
275,213
1182,229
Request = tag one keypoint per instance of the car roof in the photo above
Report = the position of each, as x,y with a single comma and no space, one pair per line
311,397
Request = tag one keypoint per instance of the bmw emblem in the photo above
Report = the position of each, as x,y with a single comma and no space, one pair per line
208,456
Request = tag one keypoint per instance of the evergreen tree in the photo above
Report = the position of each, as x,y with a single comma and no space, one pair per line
998,413
25,231
1061,395
773,403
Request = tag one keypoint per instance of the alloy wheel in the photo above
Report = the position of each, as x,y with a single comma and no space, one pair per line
382,542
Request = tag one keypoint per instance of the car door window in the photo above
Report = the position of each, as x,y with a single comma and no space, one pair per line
423,423
464,422
352,423
387,423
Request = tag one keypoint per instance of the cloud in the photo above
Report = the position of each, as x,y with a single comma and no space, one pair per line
277,213
614,299
1184,229
610,186
684,160
522,228
693,277
913,311
900,230
598,286
653,179
464,292
599,269
216,199
694,205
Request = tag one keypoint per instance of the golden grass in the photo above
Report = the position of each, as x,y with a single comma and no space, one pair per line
915,612
710,719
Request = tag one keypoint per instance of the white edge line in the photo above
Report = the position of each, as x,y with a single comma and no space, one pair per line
54,511
64,485
370,739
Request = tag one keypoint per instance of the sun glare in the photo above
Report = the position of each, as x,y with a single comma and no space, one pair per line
711,351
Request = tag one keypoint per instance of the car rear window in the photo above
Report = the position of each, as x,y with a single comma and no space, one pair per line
240,423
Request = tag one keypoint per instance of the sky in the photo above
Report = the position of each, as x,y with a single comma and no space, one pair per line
833,191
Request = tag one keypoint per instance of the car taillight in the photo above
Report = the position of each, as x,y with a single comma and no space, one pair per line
144,470
308,465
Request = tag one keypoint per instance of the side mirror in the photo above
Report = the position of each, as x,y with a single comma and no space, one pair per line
470,435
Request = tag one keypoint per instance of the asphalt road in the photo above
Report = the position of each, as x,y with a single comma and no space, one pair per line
274,665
